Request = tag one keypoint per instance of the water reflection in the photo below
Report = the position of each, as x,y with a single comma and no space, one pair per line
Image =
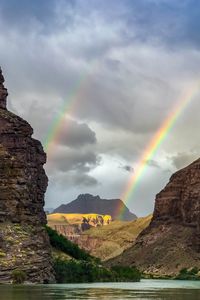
147,289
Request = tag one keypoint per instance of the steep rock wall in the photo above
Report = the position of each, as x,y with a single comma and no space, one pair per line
24,243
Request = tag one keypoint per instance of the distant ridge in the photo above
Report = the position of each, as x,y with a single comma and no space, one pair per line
87,203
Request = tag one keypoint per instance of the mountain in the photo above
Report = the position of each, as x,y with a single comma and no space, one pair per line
171,242
24,245
86,204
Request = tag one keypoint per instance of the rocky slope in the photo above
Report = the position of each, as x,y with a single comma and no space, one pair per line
110,241
172,240
24,243
101,241
73,225
87,203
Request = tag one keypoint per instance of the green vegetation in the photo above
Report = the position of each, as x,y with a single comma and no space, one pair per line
2,254
80,271
189,274
82,267
18,276
59,242
126,273
83,271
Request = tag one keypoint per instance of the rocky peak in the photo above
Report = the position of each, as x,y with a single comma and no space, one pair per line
3,91
87,203
88,197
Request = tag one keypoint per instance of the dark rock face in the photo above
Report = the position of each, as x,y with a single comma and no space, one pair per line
179,201
86,203
23,183
3,92
172,240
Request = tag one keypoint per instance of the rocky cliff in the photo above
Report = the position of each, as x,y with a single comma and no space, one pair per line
86,204
172,240
73,225
24,243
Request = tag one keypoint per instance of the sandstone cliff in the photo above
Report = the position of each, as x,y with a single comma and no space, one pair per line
86,204
172,240
24,243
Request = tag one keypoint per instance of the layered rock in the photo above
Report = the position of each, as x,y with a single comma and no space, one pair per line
23,183
3,92
172,240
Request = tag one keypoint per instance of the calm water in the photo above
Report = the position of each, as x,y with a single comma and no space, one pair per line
146,289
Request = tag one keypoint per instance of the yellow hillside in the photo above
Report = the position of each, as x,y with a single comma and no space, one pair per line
104,242
116,237
60,218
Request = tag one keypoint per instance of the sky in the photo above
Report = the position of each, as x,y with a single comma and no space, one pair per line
119,67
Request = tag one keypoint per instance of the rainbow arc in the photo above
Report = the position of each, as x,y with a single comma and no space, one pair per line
156,142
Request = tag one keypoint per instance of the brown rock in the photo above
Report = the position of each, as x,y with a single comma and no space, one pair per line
172,240
23,183
3,92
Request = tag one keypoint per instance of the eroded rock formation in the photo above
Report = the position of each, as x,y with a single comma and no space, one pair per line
172,240
24,244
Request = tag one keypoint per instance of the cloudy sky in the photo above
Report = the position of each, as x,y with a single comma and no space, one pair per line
116,68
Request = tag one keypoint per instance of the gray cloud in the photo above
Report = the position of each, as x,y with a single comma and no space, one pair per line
74,179
128,168
74,134
68,159
181,160
153,163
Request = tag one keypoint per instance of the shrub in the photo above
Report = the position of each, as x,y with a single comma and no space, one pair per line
18,276
126,273
61,243
191,274
80,271
2,254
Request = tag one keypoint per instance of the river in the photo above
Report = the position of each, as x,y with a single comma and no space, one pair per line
146,289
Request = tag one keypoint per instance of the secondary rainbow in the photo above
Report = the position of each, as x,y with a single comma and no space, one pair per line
69,106
156,141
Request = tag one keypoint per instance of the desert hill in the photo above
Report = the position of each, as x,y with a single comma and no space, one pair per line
71,225
110,241
86,204
100,241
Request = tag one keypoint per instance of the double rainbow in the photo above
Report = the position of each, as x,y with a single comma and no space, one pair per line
70,105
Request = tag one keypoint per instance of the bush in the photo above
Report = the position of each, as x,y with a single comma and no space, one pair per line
191,274
61,243
80,271
18,276
126,273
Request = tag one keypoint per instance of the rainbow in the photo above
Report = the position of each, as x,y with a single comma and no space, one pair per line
67,109
155,143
